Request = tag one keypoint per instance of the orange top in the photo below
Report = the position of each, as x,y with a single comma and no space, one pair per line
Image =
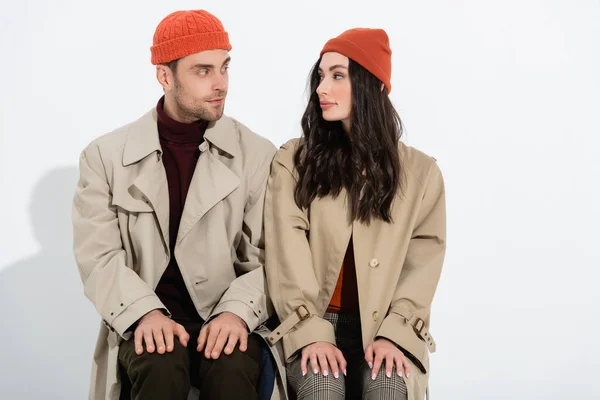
345,295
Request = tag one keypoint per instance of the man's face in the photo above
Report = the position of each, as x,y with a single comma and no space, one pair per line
198,87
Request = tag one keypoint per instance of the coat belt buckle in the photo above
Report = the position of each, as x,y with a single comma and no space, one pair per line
418,327
305,316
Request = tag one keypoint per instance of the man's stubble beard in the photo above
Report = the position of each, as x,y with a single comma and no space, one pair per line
202,111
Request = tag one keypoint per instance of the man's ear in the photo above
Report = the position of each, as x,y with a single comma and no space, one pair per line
164,76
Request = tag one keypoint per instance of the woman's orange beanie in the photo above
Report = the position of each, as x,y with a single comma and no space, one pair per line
183,33
368,47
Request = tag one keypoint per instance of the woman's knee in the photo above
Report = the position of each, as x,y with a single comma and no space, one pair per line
315,385
383,387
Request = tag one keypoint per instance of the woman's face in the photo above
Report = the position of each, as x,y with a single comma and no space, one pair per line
335,91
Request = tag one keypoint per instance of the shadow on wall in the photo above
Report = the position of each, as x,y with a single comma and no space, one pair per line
49,327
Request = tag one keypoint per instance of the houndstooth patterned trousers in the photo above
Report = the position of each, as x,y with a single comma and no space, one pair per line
359,383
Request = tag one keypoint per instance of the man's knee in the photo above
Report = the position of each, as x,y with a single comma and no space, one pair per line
234,365
151,365
233,376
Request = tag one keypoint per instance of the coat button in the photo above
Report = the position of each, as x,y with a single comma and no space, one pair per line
374,263
375,316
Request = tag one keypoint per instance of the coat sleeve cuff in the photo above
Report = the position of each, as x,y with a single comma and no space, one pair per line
315,329
134,312
396,329
241,309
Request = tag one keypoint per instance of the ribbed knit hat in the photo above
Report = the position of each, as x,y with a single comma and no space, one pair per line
368,47
183,33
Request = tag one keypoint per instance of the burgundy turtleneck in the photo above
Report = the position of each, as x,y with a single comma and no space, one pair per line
179,142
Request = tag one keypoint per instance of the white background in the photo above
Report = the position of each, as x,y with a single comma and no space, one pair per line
505,94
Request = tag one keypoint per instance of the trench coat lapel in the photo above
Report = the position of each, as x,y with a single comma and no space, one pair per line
212,180
150,185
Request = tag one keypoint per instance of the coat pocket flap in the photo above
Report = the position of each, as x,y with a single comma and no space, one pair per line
128,203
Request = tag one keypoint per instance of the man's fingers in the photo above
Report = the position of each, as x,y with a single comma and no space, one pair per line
219,344
213,334
167,331
138,335
182,334
231,342
243,340
149,340
202,339
159,340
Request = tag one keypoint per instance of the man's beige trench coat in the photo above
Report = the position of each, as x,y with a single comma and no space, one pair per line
121,233
398,264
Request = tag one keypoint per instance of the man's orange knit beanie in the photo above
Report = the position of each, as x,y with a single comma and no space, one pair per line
183,33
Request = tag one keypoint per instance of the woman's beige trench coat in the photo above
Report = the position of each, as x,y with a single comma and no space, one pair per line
398,264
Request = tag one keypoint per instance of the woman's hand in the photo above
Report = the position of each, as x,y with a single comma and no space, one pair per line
383,350
324,355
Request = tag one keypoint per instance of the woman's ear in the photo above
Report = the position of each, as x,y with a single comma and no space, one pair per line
382,87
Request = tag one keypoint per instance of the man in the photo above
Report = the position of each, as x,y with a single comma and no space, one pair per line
168,233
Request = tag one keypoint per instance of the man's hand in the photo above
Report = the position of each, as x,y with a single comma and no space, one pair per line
383,350
325,355
156,328
223,331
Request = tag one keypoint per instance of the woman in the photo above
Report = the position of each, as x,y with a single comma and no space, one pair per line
355,235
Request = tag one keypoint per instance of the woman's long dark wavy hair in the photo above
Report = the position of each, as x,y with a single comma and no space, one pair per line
328,159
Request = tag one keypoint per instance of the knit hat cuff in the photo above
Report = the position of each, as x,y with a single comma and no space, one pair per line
348,48
186,45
